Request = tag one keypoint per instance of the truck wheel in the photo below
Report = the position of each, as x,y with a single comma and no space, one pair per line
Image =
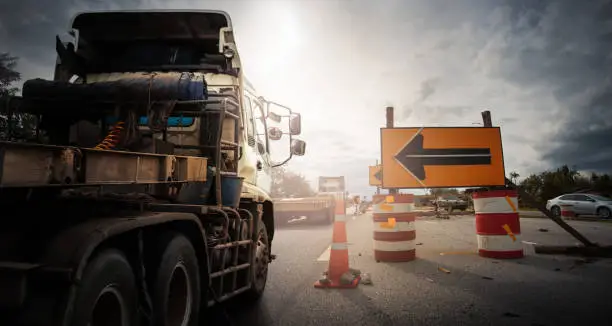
176,283
259,275
107,294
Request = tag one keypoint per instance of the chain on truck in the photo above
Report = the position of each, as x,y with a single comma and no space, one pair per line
144,195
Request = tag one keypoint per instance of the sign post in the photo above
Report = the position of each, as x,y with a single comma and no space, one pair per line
390,124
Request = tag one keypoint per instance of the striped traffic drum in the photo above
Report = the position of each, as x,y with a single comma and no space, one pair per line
394,232
567,211
498,226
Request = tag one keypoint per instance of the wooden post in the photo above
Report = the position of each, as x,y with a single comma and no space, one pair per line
486,121
390,125
377,187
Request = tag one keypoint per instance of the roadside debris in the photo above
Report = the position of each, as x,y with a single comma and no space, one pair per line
366,279
419,244
442,269
349,277
487,278
543,230
430,280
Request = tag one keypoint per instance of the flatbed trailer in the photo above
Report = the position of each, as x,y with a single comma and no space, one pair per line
317,209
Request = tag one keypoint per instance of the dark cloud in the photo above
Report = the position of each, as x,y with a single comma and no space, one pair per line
572,60
28,27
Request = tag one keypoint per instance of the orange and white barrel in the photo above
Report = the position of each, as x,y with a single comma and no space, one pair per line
394,231
498,226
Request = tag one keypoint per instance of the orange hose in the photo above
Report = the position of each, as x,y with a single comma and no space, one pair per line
112,139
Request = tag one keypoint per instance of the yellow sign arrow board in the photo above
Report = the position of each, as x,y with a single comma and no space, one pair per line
376,175
441,157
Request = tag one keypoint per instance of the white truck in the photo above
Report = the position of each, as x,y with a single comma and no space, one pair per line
145,196
451,202
320,208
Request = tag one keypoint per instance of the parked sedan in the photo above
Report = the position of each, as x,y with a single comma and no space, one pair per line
582,204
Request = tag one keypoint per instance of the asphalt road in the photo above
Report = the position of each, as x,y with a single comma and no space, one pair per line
535,290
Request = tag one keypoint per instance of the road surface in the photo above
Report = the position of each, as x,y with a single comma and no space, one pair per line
535,290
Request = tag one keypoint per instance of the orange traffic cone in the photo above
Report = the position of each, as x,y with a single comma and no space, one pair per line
339,274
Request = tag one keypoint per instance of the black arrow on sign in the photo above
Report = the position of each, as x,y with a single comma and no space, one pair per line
378,175
414,157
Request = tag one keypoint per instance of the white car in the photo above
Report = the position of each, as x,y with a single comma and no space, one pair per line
582,204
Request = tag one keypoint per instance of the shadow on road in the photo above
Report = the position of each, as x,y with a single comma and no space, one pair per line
520,292
363,302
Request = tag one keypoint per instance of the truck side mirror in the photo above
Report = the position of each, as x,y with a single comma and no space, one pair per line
298,147
275,133
295,124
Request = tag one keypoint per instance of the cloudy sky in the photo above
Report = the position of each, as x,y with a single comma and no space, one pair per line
541,67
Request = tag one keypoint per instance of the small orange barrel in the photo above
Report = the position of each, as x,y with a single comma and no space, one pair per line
567,211
394,231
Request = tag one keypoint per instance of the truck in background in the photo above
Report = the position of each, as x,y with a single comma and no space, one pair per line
145,196
319,208
451,202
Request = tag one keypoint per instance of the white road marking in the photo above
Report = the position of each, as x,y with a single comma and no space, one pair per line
529,243
301,218
325,255
430,222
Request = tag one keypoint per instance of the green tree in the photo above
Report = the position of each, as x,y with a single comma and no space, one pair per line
14,125
443,191
8,74
514,176
287,184
550,184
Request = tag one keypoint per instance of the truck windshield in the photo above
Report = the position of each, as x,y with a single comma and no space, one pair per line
140,41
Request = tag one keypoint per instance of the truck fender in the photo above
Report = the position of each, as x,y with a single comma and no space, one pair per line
73,247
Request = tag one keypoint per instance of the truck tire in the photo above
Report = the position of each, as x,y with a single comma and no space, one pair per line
175,286
259,275
107,294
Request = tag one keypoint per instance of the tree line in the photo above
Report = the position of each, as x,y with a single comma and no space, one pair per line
14,126
550,184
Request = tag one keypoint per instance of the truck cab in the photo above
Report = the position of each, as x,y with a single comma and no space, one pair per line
110,46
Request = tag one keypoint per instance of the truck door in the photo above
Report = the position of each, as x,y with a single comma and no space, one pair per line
264,169
248,169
